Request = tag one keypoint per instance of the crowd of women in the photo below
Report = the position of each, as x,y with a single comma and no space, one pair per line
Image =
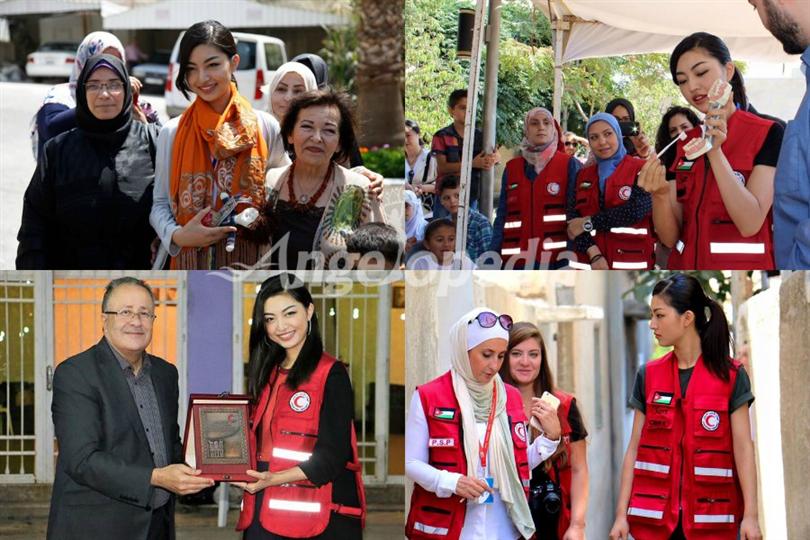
634,204
497,450
223,185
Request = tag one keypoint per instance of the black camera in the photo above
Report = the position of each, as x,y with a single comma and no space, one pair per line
544,499
629,129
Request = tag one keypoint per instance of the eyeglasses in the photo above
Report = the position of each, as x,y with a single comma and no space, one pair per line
114,87
129,315
487,319
571,143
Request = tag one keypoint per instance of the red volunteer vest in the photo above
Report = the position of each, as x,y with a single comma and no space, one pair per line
536,210
625,248
299,509
560,472
432,517
709,238
685,457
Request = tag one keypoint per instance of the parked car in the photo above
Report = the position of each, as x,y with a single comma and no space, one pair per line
51,60
259,57
153,72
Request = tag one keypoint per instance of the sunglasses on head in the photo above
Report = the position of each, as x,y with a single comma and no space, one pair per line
487,319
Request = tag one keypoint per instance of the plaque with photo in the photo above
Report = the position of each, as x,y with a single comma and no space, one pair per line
218,438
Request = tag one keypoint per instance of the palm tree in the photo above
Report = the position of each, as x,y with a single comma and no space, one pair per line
380,75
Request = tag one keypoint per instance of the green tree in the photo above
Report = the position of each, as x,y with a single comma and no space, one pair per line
526,71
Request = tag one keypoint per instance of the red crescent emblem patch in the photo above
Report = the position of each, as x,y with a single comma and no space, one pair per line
299,402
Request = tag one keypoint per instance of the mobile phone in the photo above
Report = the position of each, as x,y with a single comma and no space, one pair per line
629,129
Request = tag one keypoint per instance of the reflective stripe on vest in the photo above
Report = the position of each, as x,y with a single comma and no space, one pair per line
427,529
713,471
548,244
294,506
653,467
643,512
578,265
292,455
751,248
620,265
512,224
628,230
510,251
548,218
714,518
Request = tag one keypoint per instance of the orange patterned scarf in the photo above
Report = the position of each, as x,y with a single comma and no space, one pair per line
224,151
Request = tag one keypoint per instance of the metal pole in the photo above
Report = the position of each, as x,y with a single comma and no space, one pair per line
490,102
381,386
560,27
469,134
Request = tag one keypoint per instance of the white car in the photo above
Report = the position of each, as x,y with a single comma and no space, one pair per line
54,59
259,57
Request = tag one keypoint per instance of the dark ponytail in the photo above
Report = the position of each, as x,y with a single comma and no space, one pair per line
716,48
684,293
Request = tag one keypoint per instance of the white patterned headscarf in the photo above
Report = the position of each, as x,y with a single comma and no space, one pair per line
475,400
94,43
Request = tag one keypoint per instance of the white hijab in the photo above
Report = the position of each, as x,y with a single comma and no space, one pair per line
475,400
290,67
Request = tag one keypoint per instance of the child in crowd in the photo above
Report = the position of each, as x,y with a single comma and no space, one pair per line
377,246
479,229
447,145
437,249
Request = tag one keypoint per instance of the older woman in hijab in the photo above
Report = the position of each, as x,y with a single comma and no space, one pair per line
415,221
57,113
610,217
290,80
530,222
465,441
88,203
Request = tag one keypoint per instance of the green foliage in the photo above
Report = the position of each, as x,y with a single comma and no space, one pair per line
431,71
523,83
526,72
715,283
340,54
385,161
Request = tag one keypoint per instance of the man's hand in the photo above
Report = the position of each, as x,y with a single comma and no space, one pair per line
180,479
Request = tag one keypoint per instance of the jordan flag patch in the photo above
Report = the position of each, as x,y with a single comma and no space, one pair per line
444,414
662,398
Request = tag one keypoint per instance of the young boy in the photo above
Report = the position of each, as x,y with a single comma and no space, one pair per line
479,229
447,145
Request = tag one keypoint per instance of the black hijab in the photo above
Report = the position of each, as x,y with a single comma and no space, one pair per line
114,128
628,144
317,66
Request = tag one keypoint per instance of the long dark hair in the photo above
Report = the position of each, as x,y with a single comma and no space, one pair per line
520,332
208,32
684,293
266,355
663,138
716,48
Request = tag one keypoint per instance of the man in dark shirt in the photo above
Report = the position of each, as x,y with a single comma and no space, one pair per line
447,146
115,415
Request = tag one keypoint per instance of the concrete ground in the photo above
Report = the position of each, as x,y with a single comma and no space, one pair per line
199,523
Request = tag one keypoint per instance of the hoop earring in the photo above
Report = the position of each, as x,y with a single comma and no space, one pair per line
309,326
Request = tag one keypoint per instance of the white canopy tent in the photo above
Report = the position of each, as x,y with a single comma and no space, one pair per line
596,28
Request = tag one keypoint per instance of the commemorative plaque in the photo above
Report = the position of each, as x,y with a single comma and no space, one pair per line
217,437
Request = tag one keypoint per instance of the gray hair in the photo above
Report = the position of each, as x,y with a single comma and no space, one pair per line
126,280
